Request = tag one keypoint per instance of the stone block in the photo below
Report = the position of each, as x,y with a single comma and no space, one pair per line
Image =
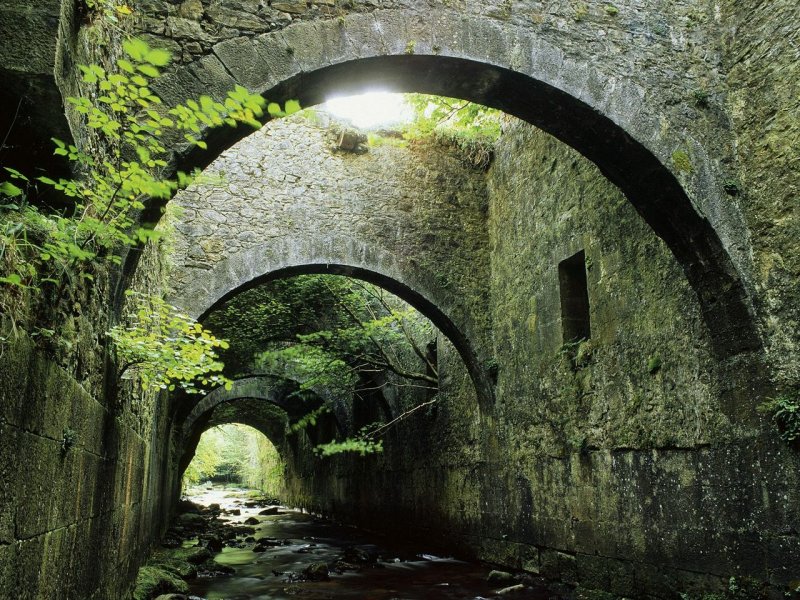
9,473
8,566
14,374
39,487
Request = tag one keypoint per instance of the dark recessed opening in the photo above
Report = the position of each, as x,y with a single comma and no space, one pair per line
575,324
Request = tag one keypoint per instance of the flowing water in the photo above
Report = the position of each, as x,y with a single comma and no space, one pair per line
400,573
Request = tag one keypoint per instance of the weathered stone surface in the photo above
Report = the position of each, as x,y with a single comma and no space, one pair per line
288,200
691,108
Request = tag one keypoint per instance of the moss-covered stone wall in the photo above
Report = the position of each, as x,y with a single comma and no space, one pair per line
81,480
614,464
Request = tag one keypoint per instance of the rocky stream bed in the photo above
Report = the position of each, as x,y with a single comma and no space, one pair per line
227,545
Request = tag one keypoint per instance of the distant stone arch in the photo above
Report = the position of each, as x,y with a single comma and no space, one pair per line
341,255
267,388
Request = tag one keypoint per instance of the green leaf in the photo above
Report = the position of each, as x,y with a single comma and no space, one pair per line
9,189
292,106
158,57
126,66
136,48
148,70
16,174
12,279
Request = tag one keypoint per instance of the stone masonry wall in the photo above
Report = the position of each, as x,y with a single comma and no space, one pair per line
762,62
629,451
612,465
74,523
287,198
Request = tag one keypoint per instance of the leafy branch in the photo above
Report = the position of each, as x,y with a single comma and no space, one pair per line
132,127
168,349
375,336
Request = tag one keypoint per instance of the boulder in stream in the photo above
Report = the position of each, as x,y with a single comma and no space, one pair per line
153,581
317,571
498,579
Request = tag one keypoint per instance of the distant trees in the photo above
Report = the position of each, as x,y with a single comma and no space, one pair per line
236,454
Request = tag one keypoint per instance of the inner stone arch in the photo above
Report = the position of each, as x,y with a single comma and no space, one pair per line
339,256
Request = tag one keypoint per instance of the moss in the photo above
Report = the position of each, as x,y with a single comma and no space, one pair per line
682,161
654,364
152,581
410,47
580,11
611,10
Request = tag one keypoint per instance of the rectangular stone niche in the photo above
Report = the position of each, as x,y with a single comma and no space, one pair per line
575,324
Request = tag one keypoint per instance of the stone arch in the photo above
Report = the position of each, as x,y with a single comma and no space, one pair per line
266,388
272,429
337,254
600,109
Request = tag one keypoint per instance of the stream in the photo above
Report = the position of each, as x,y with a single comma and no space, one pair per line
362,565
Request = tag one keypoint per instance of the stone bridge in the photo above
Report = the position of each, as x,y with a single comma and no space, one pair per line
655,154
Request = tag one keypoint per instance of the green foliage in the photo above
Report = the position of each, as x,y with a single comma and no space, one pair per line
265,469
168,348
109,10
362,444
132,128
742,588
275,313
309,419
313,366
206,458
701,98
332,333
68,439
682,161
611,10
237,453
369,335
785,413
654,364
472,128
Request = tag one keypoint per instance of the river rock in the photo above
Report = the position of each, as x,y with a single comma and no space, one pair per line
191,521
510,590
357,556
270,511
153,581
214,544
316,572
501,579
252,521
195,555
187,506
